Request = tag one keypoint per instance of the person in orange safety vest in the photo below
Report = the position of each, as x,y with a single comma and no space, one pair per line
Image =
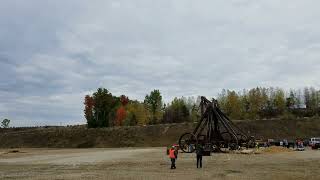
173,156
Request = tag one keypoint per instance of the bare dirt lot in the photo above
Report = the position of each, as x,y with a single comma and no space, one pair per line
152,163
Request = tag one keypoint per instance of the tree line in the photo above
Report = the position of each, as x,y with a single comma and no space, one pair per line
265,103
102,109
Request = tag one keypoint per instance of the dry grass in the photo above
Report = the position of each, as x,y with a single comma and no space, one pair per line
274,149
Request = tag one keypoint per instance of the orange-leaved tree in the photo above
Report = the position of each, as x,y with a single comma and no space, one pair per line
88,111
121,112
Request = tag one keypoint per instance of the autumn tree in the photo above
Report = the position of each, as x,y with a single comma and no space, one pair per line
121,112
189,102
88,111
176,112
120,116
124,100
103,110
279,101
137,114
232,105
222,99
153,103
255,103
244,104
193,104
104,105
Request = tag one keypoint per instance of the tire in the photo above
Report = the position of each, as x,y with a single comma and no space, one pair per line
186,141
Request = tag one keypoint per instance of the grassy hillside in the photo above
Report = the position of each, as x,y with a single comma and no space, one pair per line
157,135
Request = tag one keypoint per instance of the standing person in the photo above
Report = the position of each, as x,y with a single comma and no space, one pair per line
176,151
173,157
199,152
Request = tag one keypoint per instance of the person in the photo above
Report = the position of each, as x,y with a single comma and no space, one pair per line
190,148
286,143
199,152
173,156
176,152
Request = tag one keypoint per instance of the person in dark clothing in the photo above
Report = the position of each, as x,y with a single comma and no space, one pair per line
199,152
173,163
173,154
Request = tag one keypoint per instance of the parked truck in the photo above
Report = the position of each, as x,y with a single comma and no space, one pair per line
314,142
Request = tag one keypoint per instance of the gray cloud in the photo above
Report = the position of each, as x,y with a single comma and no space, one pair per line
52,53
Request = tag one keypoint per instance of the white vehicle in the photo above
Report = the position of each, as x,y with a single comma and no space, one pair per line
315,142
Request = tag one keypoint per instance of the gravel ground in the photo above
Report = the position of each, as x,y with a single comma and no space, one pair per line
152,163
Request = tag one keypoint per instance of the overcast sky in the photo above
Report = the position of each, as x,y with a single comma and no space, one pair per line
54,52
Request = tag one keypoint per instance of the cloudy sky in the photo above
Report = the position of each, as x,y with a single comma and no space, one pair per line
54,52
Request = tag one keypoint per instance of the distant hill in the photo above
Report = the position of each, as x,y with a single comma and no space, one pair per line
144,136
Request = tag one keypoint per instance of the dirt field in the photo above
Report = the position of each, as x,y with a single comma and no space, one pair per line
152,163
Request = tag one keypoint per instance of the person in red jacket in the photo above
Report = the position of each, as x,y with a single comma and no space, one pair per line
173,156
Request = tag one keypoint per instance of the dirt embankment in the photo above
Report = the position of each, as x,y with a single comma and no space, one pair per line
145,136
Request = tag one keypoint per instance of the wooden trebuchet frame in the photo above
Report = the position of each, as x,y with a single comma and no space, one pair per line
215,131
